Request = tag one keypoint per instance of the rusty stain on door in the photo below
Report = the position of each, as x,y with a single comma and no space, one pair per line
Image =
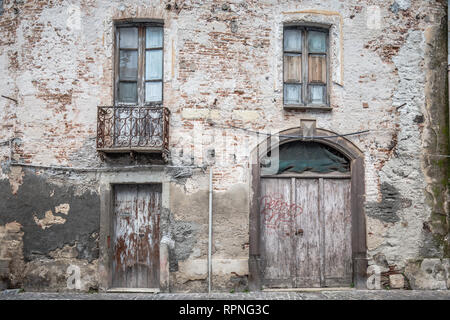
136,236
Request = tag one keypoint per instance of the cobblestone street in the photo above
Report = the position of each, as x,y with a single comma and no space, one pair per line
316,295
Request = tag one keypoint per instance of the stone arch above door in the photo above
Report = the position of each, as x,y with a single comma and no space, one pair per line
308,132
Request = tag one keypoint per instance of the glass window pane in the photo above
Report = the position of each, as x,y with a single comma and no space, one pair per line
154,37
128,37
153,91
292,93
128,65
292,40
153,64
317,94
317,41
128,92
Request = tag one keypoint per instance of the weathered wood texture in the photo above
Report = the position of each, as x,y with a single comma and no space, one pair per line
276,221
136,236
317,68
306,232
293,68
336,213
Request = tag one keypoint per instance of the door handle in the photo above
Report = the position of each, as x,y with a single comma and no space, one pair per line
299,232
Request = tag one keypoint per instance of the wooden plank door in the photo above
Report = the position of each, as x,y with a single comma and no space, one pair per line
306,232
337,232
306,235
136,236
276,221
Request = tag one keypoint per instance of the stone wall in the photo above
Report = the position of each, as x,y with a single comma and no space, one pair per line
222,68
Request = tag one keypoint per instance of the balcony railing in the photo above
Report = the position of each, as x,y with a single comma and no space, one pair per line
133,129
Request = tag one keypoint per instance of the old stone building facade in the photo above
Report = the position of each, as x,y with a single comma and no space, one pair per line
324,125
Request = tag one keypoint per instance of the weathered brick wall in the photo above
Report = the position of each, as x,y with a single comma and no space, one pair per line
223,66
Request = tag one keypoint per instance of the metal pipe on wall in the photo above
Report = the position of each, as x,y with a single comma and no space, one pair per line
210,230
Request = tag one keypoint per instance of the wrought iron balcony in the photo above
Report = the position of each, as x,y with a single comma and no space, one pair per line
133,129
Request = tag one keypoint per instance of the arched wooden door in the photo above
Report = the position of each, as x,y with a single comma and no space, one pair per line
305,219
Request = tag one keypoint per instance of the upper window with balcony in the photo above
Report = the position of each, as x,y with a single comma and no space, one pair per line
137,122
305,67
139,64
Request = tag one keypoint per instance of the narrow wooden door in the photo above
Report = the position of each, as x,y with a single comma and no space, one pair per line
337,229
136,236
276,221
306,232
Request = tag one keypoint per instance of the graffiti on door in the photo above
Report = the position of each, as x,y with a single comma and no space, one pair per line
278,213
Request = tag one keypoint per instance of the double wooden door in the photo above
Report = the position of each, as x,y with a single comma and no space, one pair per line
306,232
136,236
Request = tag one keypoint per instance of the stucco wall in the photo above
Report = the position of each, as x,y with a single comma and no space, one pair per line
222,67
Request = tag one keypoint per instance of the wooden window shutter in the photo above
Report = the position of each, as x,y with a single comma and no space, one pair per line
305,66
292,66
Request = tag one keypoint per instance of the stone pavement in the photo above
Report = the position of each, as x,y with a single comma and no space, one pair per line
350,294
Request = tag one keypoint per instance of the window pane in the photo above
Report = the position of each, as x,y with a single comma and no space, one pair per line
154,37
153,91
128,37
128,65
317,94
317,41
317,68
128,92
292,93
292,40
293,68
153,64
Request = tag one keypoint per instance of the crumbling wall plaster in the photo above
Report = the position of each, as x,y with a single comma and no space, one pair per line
223,67
42,216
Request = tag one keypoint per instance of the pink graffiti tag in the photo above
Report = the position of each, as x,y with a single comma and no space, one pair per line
279,213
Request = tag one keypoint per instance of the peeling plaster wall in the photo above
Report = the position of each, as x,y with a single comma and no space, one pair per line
190,232
223,64
43,216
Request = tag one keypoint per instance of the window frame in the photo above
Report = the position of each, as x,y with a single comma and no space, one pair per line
305,95
141,25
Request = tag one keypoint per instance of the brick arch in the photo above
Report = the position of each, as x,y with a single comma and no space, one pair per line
356,157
